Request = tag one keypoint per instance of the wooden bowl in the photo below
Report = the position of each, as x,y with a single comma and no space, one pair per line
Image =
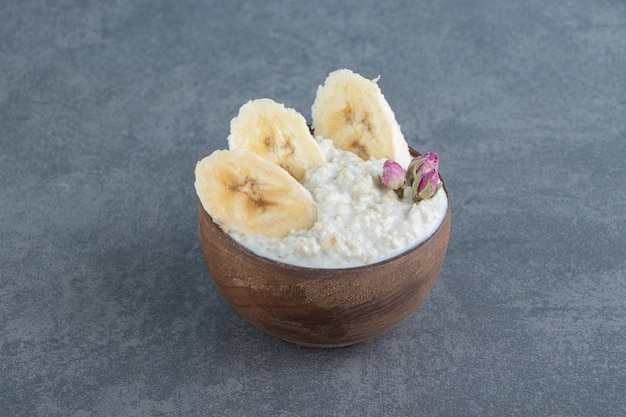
317,307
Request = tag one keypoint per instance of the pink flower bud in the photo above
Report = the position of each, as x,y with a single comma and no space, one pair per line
393,175
423,176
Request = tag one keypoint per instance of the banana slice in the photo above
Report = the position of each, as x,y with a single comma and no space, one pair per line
276,133
246,194
352,111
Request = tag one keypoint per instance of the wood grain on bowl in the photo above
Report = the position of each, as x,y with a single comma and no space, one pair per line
322,307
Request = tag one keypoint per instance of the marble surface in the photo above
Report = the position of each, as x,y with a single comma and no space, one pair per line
107,308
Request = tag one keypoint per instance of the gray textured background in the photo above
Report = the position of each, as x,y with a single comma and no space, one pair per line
106,306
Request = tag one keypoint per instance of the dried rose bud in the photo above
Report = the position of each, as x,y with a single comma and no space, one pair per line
393,175
423,176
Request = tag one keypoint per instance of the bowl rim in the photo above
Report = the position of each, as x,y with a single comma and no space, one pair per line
336,272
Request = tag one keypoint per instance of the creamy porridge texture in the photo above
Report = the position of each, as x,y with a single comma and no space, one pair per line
359,221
